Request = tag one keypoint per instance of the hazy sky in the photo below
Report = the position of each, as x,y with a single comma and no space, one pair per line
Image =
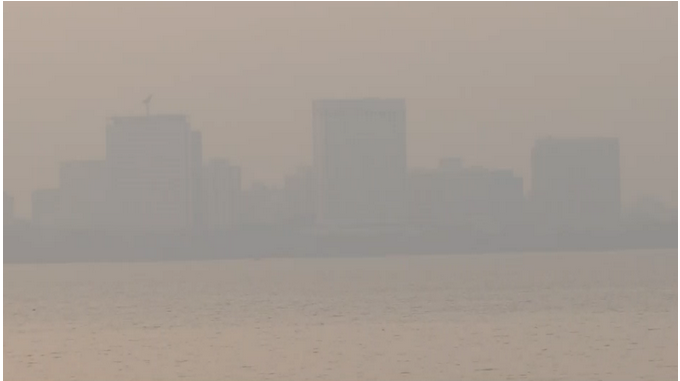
482,80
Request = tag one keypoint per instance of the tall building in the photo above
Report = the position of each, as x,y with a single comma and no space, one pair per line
149,159
576,182
83,185
360,161
221,194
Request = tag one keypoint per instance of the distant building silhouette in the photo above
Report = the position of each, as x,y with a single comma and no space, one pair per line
483,198
425,197
648,210
299,195
360,161
221,187
473,197
149,159
83,189
576,182
8,208
196,178
263,205
46,207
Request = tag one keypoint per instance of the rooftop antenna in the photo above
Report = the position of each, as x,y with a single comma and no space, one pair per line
146,103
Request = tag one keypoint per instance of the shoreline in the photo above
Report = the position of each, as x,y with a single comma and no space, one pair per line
31,245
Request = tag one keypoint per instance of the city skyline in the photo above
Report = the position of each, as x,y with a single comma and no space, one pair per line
155,176
156,193
340,190
279,179
208,161
490,80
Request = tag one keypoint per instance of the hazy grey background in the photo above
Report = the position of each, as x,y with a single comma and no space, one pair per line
482,81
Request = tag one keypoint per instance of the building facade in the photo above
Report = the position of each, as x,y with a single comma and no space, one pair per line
149,160
469,197
360,161
221,195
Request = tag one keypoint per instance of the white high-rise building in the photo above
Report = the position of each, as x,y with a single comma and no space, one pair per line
149,160
360,161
